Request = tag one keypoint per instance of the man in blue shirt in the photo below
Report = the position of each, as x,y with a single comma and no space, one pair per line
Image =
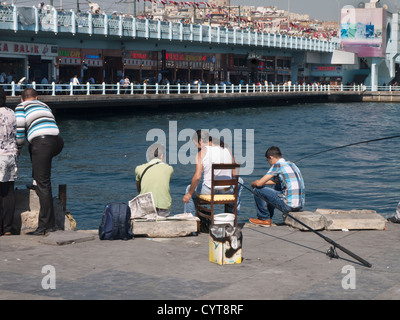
282,188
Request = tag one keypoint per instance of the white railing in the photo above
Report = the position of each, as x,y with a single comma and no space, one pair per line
130,27
54,89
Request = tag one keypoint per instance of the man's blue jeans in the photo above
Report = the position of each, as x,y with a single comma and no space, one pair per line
273,200
203,189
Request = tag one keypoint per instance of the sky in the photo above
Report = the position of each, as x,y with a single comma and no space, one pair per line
326,10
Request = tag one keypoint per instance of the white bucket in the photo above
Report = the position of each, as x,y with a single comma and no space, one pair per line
224,218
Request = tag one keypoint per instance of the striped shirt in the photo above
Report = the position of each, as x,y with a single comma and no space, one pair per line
291,181
34,118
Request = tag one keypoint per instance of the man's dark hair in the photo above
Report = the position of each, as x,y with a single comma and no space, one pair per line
29,93
274,152
201,134
2,97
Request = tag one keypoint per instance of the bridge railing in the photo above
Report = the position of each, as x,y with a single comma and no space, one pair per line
14,89
128,26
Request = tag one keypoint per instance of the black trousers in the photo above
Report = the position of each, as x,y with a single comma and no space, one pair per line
42,151
7,206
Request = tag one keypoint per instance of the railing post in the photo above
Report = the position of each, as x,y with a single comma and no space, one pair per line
120,27
53,88
105,24
216,88
73,22
35,10
131,87
118,88
168,88
224,87
208,88
144,88
198,88
188,88
55,18
13,89
233,88
179,88
15,18
240,88
87,88
71,89
104,88
90,23
156,87
134,28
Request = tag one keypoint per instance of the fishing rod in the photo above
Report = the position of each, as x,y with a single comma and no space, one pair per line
348,145
332,251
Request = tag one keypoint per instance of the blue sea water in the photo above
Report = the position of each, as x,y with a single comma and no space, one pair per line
101,153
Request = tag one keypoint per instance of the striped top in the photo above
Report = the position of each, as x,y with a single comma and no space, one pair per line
291,181
34,118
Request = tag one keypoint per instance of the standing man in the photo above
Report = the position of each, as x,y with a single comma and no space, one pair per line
287,192
36,124
154,176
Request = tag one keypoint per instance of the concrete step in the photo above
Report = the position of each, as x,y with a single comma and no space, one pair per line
169,228
331,219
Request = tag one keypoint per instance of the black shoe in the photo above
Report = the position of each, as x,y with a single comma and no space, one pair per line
31,186
394,219
38,232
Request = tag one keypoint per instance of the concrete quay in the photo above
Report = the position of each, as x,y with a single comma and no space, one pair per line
185,101
279,263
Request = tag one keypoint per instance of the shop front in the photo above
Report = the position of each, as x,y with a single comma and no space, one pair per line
141,65
32,61
69,64
92,65
190,67
113,66
326,74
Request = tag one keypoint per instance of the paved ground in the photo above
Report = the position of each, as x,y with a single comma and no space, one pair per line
278,263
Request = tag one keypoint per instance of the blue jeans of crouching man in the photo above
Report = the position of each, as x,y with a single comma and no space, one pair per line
273,200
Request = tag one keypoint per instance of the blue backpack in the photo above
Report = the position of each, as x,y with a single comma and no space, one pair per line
116,222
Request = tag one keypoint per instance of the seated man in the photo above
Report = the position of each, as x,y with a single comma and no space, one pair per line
209,153
154,176
287,192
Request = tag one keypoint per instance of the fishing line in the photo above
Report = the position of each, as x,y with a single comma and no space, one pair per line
347,145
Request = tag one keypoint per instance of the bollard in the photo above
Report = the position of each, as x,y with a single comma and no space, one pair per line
62,195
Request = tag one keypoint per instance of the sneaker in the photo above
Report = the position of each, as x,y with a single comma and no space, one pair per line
262,223
394,219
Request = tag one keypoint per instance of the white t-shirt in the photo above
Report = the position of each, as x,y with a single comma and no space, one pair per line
216,155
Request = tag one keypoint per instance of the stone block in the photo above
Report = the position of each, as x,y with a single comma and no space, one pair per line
352,220
27,209
164,228
311,219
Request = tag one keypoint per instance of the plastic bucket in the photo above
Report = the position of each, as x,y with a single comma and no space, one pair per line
224,218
